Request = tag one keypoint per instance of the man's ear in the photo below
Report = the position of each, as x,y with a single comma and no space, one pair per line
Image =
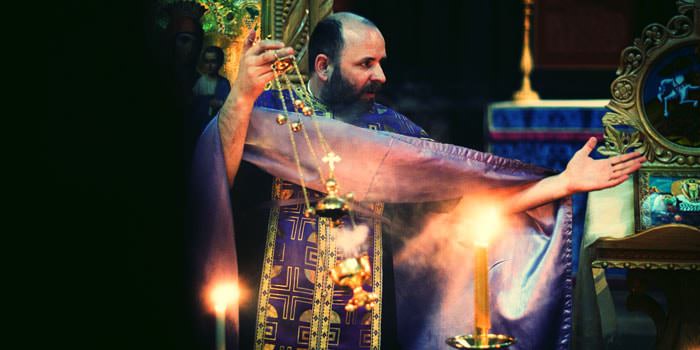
322,67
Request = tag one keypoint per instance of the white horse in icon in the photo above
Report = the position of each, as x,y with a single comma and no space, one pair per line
675,89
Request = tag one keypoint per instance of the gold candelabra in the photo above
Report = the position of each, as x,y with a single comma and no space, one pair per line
526,93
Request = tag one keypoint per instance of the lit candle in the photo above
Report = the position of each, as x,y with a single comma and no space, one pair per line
222,296
482,320
221,327
491,221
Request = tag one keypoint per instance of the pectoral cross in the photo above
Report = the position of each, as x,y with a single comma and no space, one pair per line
331,158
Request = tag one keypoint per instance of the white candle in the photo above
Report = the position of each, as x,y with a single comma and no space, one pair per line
223,296
221,327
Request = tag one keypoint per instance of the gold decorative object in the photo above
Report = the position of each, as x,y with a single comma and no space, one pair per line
653,107
292,21
226,24
281,119
482,339
307,111
353,273
634,124
526,93
298,104
493,341
332,206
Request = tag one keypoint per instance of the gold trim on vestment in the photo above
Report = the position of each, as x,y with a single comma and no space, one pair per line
323,289
266,276
376,330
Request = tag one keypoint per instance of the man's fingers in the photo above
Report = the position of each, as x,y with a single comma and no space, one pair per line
249,41
625,157
266,45
616,181
626,168
589,146
270,56
266,77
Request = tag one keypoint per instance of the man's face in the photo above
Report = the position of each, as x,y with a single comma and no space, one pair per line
210,64
184,47
358,75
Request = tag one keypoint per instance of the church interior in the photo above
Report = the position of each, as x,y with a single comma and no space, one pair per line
530,80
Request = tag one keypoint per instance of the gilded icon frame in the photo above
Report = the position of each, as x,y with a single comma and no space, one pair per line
659,199
627,126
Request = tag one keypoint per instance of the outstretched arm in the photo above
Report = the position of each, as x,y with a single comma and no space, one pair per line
253,73
582,174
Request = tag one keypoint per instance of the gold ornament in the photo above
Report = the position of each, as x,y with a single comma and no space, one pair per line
309,212
298,104
281,119
307,111
282,65
353,273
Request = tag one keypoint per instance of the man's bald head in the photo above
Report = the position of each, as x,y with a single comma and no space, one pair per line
327,38
345,55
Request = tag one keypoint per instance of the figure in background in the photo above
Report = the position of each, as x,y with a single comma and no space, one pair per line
187,42
210,90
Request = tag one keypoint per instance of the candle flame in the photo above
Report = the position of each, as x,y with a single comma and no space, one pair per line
491,222
224,294
480,221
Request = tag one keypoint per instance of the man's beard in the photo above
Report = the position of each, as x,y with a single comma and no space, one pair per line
341,98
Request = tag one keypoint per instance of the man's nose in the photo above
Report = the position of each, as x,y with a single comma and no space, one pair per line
378,74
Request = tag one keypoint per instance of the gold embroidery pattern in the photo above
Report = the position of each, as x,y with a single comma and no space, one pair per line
323,289
319,326
376,333
266,277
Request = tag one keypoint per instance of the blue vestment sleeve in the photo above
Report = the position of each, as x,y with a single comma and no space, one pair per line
530,283
214,256
394,168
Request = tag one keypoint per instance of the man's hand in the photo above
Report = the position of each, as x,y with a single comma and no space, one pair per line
254,71
584,173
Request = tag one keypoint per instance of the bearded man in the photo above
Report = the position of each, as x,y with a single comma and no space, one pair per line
283,257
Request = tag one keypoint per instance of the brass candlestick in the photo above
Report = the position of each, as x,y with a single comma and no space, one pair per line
526,93
481,339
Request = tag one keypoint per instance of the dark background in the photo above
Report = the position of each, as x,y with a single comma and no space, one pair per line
110,203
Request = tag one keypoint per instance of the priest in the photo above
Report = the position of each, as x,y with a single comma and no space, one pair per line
250,225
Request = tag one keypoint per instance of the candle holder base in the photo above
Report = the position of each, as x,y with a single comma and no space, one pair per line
469,341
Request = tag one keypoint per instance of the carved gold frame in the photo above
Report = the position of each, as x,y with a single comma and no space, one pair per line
626,125
292,21
642,184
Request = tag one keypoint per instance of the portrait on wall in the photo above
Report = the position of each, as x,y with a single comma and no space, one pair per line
666,196
671,96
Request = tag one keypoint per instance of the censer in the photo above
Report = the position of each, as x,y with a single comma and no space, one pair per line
352,272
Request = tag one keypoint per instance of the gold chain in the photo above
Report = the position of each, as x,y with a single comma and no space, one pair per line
302,182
